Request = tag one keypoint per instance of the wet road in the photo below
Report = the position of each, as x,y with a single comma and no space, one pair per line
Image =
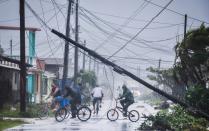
95,123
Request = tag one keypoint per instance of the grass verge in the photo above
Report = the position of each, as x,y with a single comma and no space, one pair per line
4,124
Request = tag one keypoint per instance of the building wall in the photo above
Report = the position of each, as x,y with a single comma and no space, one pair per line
9,85
53,69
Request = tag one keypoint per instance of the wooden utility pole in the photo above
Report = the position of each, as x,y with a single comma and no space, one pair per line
94,65
138,71
97,69
89,63
159,64
22,57
11,47
76,48
66,53
84,55
185,27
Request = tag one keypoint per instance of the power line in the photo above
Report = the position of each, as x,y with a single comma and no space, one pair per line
142,41
138,58
16,19
128,20
173,11
47,32
122,17
141,30
151,28
106,23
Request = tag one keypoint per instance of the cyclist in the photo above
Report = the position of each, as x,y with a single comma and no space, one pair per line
126,99
75,97
97,95
55,91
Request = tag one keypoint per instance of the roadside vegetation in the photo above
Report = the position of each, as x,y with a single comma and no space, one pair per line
4,124
13,111
188,81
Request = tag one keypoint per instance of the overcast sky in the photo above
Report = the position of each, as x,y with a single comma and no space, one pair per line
106,25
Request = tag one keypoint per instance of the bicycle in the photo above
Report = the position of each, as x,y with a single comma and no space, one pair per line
63,111
113,114
43,111
45,108
83,112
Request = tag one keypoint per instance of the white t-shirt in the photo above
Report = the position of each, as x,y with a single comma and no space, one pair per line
97,92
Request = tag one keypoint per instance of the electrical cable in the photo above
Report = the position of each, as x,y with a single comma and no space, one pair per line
125,34
177,12
141,30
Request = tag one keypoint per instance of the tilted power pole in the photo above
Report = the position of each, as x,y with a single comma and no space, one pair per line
121,70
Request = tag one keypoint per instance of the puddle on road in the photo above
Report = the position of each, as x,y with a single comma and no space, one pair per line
71,129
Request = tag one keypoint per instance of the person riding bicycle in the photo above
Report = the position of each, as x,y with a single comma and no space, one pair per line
75,97
55,92
126,99
97,95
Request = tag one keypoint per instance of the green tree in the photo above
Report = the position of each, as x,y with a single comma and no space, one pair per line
192,56
165,78
88,80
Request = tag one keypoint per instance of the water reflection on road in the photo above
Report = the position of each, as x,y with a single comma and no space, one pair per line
96,123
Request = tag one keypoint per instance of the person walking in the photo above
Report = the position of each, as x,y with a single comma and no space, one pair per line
97,95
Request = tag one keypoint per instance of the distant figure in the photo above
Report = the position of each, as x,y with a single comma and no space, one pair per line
97,95
127,99
75,97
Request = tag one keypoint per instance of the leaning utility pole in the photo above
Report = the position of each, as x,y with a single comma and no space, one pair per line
76,48
123,71
66,53
22,57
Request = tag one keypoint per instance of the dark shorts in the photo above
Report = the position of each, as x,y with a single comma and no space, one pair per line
96,99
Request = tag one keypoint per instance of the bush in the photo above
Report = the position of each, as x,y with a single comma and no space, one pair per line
31,111
177,120
198,96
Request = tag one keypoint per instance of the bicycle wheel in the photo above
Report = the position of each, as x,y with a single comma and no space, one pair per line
112,114
43,112
133,115
83,113
60,114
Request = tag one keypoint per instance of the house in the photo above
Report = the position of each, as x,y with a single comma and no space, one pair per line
38,80
55,66
9,80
